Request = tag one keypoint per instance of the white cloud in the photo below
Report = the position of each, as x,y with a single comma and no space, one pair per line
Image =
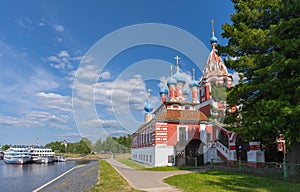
103,122
31,119
46,117
25,23
63,53
11,121
122,93
105,75
41,24
58,28
62,127
62,60
59,39
54,101
89,72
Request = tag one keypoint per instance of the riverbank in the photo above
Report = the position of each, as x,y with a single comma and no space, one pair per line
82,177
80,157
91,157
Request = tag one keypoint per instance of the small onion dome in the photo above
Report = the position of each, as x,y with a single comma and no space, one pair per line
193,83
186,92
179,77
171,81
213,40
148,107
164,90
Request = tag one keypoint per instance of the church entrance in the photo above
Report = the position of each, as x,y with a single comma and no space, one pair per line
242,147
193,154
189,154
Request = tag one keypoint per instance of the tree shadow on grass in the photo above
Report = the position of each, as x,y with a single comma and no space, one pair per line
228,181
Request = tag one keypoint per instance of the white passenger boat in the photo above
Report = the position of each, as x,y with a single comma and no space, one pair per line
42,155
60,158
17,155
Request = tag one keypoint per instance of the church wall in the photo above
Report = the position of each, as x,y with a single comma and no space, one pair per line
162,154
207,93
144,155
154,155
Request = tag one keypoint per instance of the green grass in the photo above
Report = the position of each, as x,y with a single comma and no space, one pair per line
168,168
139,166
217,181
110,180
130,163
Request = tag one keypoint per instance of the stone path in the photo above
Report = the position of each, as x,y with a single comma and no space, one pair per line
146,180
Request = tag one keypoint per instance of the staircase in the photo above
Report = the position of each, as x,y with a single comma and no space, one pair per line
227,153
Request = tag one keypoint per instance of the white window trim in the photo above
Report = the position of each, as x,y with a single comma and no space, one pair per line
186,132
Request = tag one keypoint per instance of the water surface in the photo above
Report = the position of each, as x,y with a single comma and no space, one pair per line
28,177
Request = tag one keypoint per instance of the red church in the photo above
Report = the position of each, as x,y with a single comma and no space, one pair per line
182,132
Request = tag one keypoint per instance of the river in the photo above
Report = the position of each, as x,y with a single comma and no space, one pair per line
28,177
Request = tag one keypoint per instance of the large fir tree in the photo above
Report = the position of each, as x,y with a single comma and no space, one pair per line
263,46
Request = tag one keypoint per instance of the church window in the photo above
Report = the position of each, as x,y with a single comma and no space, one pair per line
170,159
209,137
202,90
182,133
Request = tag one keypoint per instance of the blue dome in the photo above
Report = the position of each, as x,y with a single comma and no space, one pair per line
164,90
148,107
213,40
171,81
193,83
180,78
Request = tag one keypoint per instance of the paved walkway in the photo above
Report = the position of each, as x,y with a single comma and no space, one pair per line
146,180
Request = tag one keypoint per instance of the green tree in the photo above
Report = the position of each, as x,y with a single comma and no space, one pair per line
56,146
84,146
5,147
263,46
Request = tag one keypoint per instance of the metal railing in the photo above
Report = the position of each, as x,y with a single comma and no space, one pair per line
284,171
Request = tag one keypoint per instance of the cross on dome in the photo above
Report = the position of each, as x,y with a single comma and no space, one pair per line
213,39
212,27
193,72
177,62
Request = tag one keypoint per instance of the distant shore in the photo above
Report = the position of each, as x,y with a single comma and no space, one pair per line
92,157
79,157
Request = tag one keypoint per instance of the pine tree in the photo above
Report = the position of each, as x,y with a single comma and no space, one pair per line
263,46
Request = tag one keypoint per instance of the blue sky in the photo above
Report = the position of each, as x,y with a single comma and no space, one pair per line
42,44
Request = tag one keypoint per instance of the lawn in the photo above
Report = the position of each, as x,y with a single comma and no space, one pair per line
110,180
139,166
130,163
218,181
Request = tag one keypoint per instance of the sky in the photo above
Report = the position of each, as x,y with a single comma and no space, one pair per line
73,69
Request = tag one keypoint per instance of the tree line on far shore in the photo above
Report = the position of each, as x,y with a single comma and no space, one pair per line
121,144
